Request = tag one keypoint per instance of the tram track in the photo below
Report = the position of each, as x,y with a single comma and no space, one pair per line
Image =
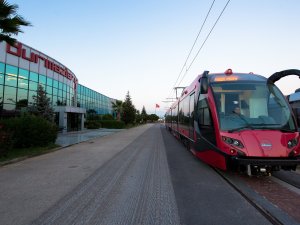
290,177
264,209
271,218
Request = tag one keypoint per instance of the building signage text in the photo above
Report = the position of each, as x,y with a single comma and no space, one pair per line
18,51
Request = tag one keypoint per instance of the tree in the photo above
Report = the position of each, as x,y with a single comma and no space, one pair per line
128,115
144,115
118,108
10,22
153,117
41,105
138,117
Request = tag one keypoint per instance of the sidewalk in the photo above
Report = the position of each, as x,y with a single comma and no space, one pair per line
76,137
30,187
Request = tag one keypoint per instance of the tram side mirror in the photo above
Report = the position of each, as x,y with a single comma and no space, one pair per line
204,85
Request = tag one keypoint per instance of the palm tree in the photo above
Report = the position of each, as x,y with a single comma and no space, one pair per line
10,22
118,108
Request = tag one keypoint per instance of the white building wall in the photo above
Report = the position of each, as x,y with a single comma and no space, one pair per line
12,60
34,67
2,53
23,63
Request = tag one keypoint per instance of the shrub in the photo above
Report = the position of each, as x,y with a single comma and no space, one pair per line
30,131
6,141
92,124
107,117
112,124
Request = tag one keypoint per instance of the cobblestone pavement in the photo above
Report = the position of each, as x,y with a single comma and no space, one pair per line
279,195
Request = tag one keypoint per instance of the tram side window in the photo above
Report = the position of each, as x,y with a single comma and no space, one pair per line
203,112
191,106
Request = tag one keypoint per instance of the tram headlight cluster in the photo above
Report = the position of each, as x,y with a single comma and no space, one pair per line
232,141
292,143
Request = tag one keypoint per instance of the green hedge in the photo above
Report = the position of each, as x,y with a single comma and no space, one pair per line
92,124
29,131
6,141
112,124
107,117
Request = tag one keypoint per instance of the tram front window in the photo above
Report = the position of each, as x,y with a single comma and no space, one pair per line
259,106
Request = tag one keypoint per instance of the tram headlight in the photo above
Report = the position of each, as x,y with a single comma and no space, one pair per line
292,143
232,141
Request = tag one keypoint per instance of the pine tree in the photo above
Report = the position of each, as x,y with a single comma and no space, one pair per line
41,105
128,114
144,115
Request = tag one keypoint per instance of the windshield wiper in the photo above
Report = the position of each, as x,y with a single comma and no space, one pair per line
261,127
241,128
265,126
278,128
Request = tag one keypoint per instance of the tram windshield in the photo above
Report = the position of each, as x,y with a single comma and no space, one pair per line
251,105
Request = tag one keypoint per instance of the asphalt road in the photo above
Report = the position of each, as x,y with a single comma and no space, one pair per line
137,176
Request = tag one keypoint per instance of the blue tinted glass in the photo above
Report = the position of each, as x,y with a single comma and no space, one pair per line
42,79
1,78
54,100
11,70
33,85
23,74
10,94
55,83
2,67
60,94
22,94
49,81
11,81
49,89
60,85
55,91
22,83
34,76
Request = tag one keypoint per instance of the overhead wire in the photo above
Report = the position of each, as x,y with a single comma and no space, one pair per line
194,42
192,47
204,42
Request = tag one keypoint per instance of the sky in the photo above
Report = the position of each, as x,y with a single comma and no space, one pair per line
116,46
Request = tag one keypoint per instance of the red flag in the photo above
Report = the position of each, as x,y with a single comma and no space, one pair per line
156,105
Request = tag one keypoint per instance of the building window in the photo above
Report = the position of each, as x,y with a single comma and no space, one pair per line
22,83
10,94
2,66
34,77
22,94
11,71
24,74
33,85
11,80
49,81
42,79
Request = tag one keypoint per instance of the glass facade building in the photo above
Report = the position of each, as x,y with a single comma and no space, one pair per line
23,69
90,99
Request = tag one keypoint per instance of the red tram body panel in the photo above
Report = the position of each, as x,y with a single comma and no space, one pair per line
236,121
